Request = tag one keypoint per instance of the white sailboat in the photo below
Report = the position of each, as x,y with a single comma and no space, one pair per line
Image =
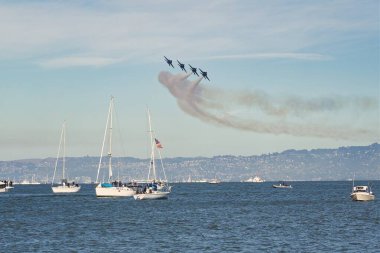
155,188
65,186
109,188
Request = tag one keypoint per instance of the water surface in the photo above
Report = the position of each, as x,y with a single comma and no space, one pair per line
228,217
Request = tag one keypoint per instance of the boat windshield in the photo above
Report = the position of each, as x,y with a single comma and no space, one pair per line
360,189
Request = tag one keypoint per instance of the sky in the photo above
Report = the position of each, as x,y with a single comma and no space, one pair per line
63,60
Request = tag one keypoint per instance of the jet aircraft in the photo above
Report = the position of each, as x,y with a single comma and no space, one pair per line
194,70
204,74
181,65
169,62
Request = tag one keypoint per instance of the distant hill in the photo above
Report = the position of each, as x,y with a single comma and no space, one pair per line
316,164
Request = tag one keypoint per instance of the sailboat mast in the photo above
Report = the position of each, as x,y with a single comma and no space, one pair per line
110,145
162,165
104,140
64,150
153,163
59,151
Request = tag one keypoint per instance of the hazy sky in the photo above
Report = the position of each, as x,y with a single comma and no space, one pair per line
62,60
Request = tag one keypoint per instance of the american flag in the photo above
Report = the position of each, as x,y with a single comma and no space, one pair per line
158,144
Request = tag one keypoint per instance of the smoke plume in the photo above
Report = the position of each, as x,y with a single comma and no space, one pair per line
259,112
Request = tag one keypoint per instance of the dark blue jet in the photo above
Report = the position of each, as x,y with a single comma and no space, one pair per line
181,65
204,74
194,70
169,62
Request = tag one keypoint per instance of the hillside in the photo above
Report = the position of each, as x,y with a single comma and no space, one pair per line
316,164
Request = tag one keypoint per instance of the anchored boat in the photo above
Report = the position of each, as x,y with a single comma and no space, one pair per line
111,188
65,186
154,188
282,185
362,193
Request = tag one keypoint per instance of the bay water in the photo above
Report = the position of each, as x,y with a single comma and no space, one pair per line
197,217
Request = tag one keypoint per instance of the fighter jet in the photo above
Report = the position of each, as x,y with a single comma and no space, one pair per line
204,74
194,70
181,65
169,62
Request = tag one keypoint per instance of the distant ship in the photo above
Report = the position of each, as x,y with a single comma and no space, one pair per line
214,181
255,179
199,181
26,181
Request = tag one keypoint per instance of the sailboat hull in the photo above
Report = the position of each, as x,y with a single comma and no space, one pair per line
153,195
65,189
3,187
114,191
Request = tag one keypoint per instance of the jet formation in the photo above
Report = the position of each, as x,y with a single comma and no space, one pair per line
182,66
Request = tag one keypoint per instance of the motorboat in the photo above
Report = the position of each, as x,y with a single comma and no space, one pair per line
282,185
362,193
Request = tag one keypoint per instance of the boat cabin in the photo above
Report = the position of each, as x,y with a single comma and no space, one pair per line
360,189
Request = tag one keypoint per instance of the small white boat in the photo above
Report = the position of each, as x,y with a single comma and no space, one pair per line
154,189
282,185
109,188
362,193
65,186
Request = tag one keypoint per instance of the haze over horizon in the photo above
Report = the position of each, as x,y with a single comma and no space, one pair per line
63,60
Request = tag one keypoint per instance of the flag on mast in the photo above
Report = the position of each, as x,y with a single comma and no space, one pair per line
158,144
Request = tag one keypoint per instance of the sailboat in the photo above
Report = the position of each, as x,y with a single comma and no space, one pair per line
154,188
109,188
65,186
